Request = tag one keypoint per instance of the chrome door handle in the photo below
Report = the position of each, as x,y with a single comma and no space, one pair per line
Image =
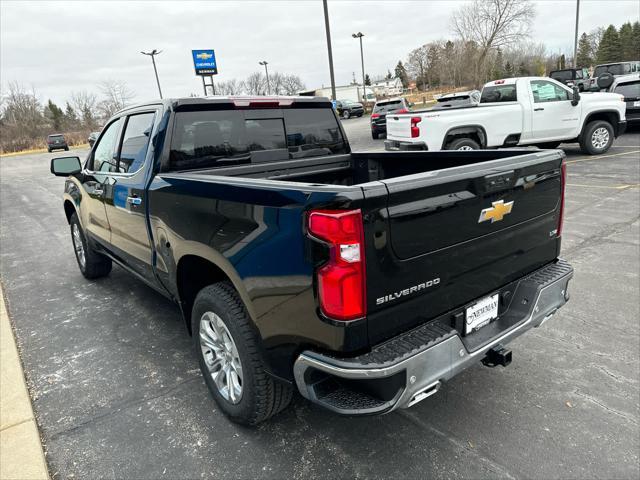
97,191
134,200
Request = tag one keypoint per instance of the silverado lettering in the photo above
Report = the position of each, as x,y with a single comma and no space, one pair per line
407,291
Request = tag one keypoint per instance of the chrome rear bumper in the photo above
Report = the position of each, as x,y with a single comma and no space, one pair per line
388,379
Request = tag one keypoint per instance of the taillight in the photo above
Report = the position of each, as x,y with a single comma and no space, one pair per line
375,115
341,281
563,182
415,129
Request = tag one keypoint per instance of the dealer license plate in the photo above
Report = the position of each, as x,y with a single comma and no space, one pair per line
481,313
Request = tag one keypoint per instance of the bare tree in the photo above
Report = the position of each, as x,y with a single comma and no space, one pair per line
491,24
22,111
85,104
255,84
276,83
230,87
418,62
116,96
292,84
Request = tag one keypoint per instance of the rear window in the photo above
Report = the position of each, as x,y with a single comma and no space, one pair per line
55,137
205,139
562,75
629,90
615,69
453,99
387,107
499,93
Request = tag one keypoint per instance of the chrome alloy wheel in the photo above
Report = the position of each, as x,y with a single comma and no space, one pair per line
465,147
600,137
221,357
78,246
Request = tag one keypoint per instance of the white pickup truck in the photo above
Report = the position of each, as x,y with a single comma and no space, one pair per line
516,111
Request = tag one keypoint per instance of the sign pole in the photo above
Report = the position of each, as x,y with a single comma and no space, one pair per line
204,85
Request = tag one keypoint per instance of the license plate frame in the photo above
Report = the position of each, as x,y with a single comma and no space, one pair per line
481,313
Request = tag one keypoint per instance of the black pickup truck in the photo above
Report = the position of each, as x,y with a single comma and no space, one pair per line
364,280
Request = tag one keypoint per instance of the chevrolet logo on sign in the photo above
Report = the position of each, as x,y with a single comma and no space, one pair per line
204,56
496,212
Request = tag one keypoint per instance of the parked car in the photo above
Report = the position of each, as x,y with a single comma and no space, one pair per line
380,111
608,71
516,111
457,99
93,136
578,77
364,280
56,141
347,109
629,87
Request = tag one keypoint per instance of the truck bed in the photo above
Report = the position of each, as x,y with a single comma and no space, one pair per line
360,168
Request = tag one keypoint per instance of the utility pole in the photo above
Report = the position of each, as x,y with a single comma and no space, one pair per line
359,35
266,72
326,27
575,42
152,54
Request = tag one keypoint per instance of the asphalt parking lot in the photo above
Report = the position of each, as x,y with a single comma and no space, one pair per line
118,394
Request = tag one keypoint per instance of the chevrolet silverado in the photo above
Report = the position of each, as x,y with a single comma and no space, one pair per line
362,280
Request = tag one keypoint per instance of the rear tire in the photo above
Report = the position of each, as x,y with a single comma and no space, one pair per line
66,149
597,137
91,263
219,314
548,145
375,135
463,144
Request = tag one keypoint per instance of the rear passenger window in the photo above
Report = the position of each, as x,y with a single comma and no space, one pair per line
313,132
135,142
499,93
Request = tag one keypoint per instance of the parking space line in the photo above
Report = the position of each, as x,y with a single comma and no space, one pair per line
615,187
601,156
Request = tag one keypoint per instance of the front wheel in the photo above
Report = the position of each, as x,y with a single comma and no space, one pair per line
91,263
597,137
228,352
346,114
463,144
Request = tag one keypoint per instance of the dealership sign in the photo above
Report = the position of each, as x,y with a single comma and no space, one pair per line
204,62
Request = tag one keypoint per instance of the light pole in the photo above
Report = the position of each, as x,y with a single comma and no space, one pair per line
575,42
152,54
364,88
328,31
266,72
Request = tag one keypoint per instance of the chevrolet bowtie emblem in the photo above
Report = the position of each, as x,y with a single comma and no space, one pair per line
496,212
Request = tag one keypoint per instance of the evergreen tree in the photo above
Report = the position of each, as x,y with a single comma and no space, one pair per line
626,41
584,58
54,114
367,80
610,49
498,67
389,76
522,70
508,70
635,43
401,73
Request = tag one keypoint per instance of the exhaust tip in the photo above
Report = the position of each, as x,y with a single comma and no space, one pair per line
424,393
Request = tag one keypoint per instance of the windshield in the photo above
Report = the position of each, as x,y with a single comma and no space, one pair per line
204,139
387,107
629,90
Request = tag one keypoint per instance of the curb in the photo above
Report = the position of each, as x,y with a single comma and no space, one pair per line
20,447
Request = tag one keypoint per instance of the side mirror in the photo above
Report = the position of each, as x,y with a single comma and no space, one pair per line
65,166
576,96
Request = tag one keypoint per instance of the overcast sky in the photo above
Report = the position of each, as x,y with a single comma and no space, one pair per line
59,47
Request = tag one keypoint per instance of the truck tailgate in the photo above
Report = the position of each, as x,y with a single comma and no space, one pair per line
448,237
398,126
